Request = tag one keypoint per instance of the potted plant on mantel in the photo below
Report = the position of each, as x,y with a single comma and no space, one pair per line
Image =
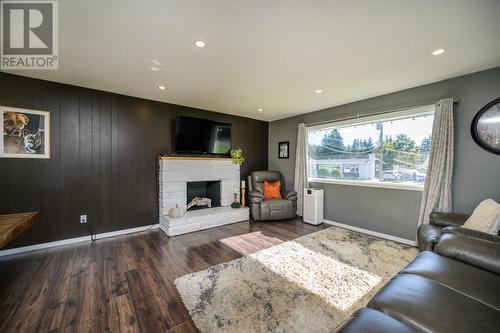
237,157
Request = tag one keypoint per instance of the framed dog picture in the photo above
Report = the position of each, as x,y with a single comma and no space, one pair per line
26,133
283,149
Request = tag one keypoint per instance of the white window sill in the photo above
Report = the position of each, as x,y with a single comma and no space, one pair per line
395,186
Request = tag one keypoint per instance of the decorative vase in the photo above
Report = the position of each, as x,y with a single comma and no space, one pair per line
176,211
235,203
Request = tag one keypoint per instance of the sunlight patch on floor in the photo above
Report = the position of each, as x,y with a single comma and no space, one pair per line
250,242
338,283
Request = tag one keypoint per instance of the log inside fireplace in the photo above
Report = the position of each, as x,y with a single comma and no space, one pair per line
206,189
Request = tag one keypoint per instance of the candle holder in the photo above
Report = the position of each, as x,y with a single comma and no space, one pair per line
243,197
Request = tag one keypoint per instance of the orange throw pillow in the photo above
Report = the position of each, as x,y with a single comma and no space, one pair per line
272,190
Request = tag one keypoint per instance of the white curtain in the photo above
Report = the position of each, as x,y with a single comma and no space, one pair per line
437,187
300,181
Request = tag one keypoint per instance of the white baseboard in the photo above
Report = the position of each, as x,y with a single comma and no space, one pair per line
373,233
75,240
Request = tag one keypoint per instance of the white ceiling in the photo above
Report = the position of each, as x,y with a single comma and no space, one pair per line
270,54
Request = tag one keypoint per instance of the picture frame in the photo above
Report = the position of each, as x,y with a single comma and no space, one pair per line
284,149
25,133
485,127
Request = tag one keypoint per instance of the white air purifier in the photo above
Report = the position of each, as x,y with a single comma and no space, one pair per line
313,205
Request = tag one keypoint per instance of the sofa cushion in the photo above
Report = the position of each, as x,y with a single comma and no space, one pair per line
472,233
277,209
469,280
257,178
485,218
472,251
369,320
427,305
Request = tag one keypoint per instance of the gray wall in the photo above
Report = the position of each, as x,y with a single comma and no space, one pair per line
476,174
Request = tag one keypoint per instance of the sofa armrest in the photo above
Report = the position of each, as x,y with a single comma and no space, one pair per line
442,220
255,196
427,236
472,251
471,233
290,195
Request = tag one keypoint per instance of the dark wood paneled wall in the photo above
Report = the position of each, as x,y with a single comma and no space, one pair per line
103,158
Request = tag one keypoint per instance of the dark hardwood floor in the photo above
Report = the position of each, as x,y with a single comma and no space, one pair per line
122,284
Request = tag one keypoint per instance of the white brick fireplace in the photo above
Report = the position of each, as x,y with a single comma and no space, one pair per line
176,172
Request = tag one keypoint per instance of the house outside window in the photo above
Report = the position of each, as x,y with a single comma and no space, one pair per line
388,150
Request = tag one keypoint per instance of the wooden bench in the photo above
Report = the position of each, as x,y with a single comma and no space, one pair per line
12,225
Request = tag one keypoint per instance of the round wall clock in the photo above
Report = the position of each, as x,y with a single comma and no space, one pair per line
485,127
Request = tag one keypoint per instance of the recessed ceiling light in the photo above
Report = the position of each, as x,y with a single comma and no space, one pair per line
438,51
155,69
156,62
200,43
162,87
318,91
260,110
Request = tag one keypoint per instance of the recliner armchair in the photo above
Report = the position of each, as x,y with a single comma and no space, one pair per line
274,209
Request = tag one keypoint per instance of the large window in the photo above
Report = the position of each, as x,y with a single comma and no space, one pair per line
391,150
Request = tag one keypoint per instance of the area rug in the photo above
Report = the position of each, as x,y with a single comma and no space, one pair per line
310,284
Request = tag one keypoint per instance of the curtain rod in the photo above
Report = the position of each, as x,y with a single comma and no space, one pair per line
362,115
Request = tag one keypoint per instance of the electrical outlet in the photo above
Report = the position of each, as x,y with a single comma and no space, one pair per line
83,218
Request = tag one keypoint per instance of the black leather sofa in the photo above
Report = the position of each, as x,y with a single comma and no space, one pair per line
447,223
455,288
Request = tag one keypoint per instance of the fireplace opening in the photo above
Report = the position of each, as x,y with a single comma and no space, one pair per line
204,190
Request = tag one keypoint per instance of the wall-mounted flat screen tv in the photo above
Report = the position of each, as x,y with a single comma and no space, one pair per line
199,136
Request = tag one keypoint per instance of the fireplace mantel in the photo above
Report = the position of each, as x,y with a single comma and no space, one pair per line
195,158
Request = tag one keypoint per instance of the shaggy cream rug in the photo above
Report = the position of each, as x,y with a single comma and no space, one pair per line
310,284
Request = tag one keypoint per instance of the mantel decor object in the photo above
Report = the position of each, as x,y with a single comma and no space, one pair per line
176,212
485,127
237,156
243,189
235,203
